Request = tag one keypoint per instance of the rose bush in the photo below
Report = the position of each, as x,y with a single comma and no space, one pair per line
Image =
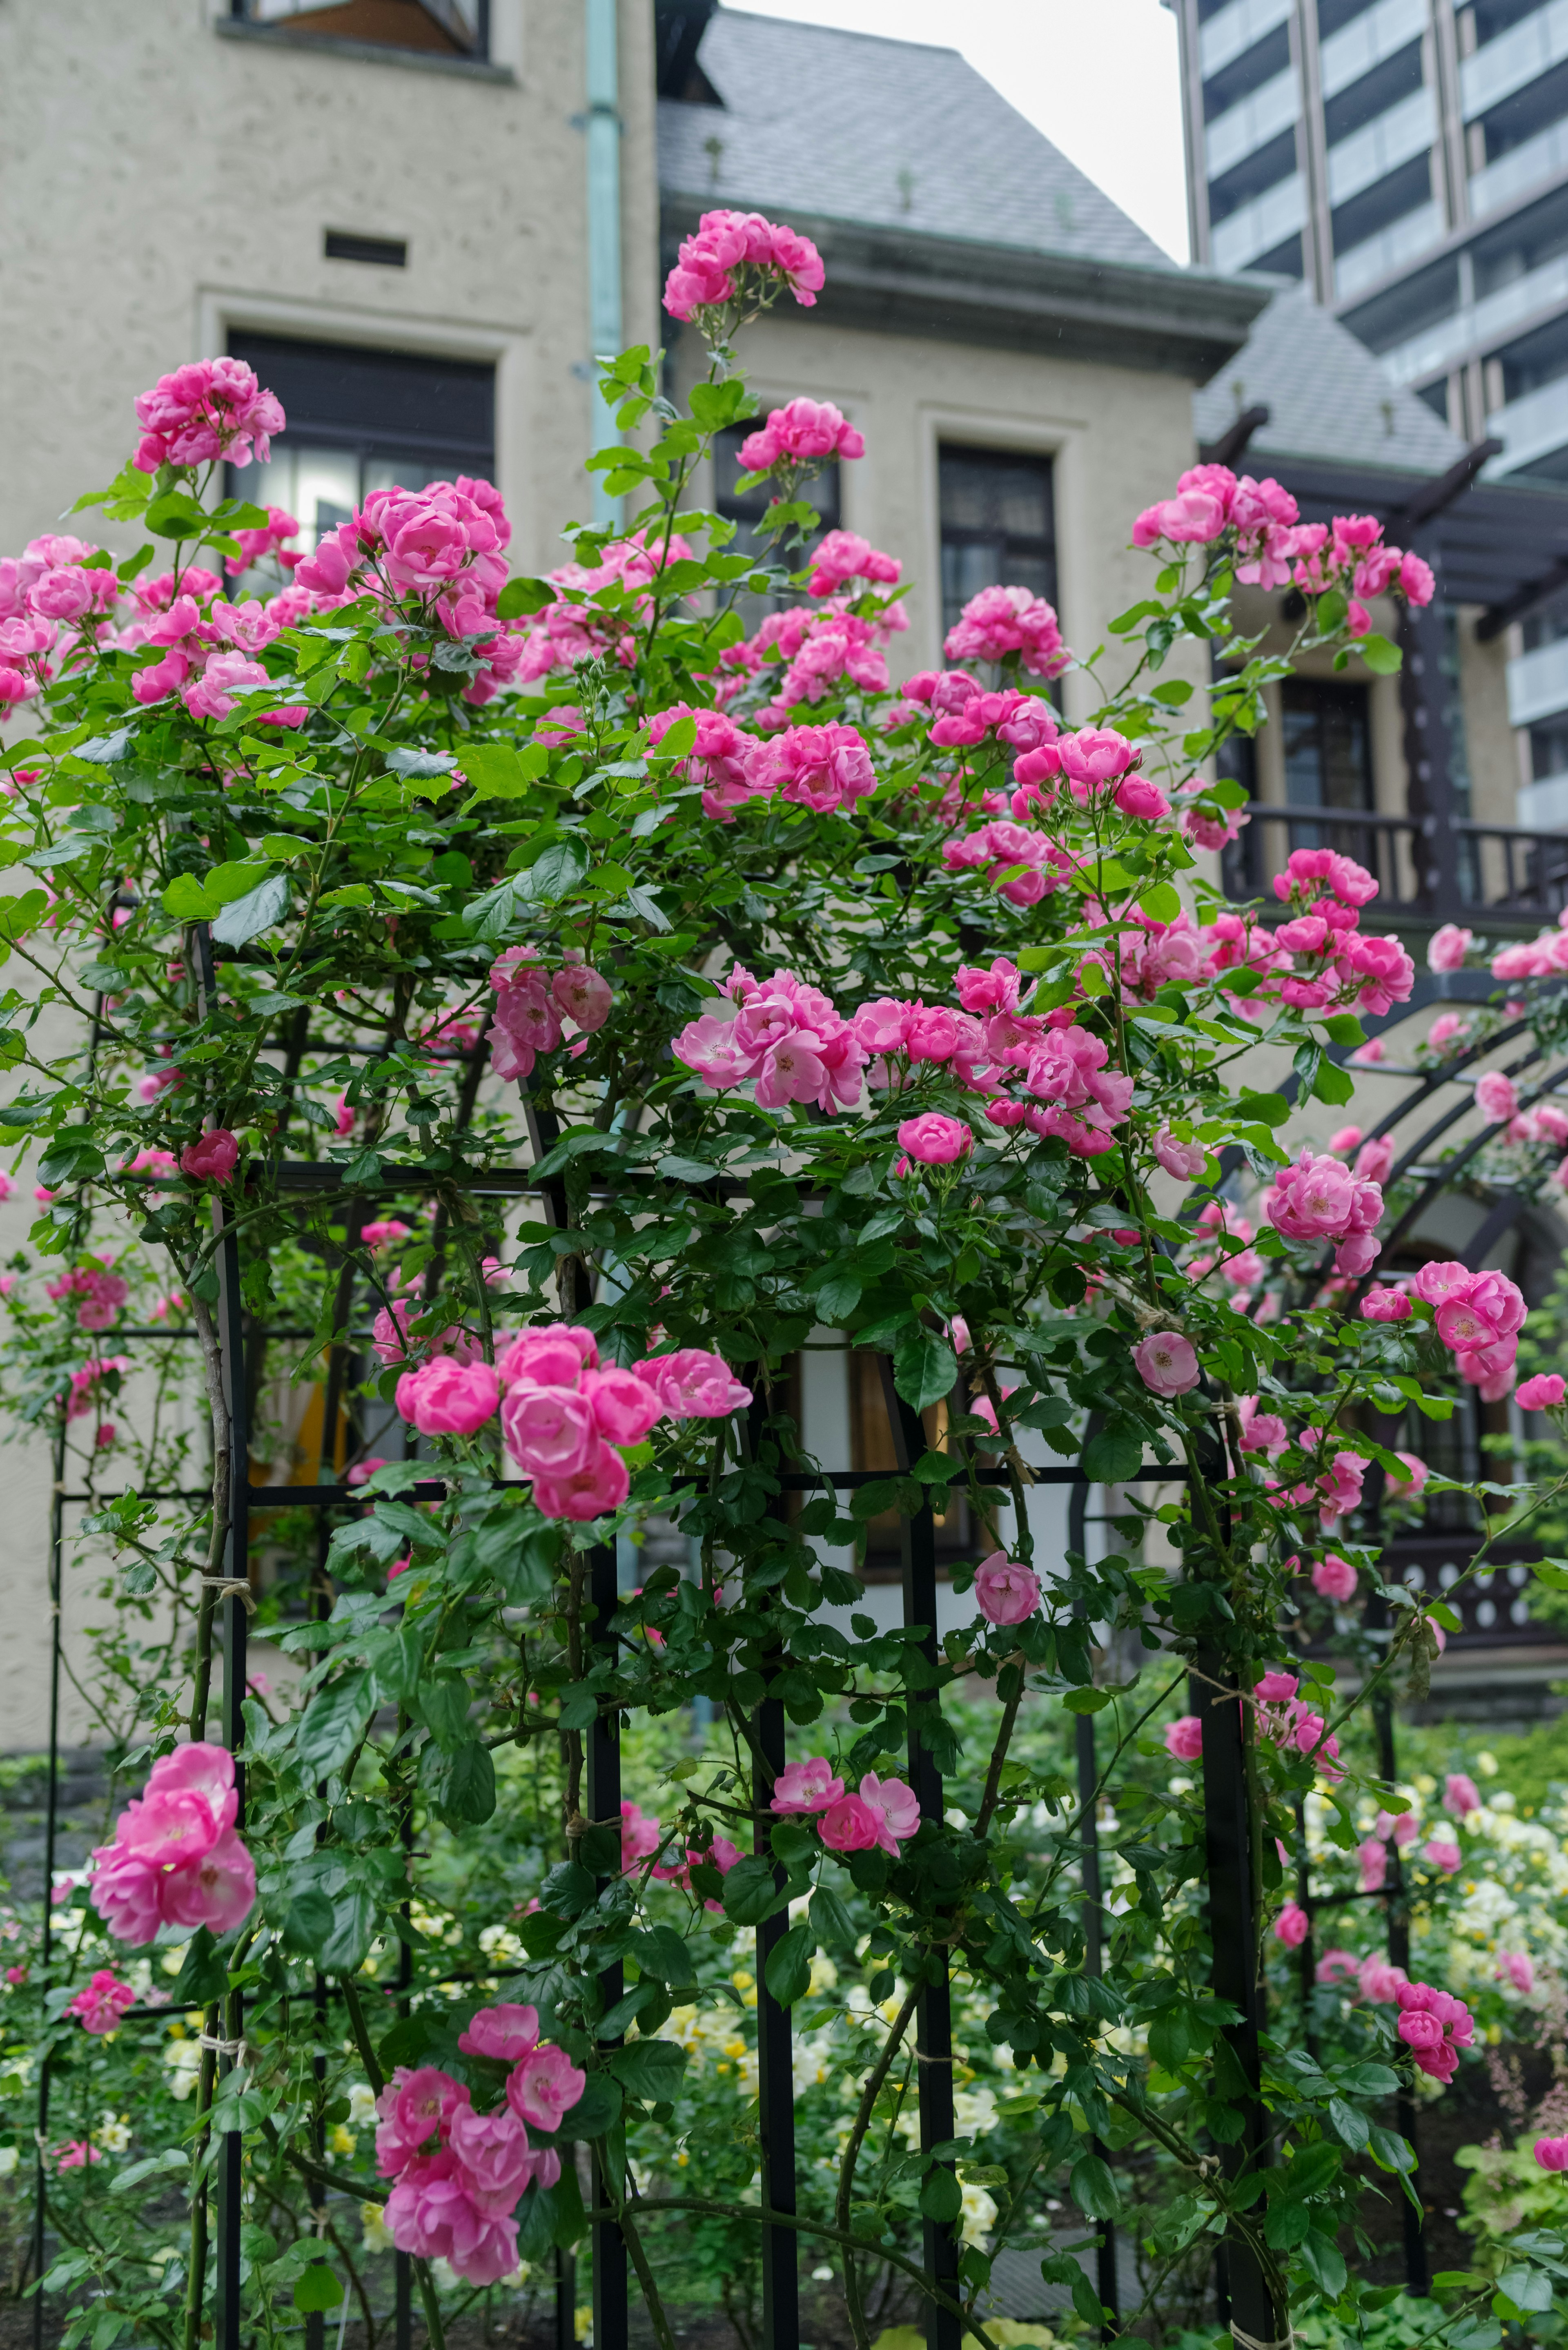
792,1004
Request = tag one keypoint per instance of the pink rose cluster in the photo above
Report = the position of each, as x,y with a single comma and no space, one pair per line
101,2003
1006,1591
573,629
964,713
1478,1317
561,1415
883,1814
176,1859
1275,549
82,1394
1001,622
725,760
101,1290
456,2199
1286,1719
740,258
805,432
1434,2026
532,1004
1098,764
271,538
1338,965
844,555
1317,1198
56,598
1539,958
785,1036
800,653
206,410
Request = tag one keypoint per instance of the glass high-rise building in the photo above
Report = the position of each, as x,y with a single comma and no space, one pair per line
1408,159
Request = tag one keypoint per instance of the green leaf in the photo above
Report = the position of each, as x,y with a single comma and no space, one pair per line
831,1921
660,1951
204,1976
496,771
788,1970
750,1893
597,2108
1092,2189
1114,1454
838,1297
1333,1084
468,1786
1527,2287
334,1722
318,2288
257,910
523,595
345,1948
1351,2123
1086,1701
1311,2171
1324,2261
1162,903
1085,2300
176,515
553,872
650,2069
925,1369
1381,658
307,1923
1168,2041
1263,1109
941,2197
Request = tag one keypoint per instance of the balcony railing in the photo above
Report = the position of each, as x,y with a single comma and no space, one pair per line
1463,872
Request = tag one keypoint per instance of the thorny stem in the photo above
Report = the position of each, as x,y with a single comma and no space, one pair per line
217,1405
851,2156
998,1752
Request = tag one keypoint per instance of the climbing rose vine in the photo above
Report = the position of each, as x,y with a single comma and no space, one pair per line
817,1013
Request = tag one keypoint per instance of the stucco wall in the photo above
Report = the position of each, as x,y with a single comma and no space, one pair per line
163,182
1118,437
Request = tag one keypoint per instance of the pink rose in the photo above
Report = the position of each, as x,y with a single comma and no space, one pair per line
1517,1967
451,1398
935,1139
1004,1591
1381,1304
895,1806
1373,1858
1337,1967
1405,1488
216,1890
693,1384
1443,1853
1335,1578
1418,2030
549,1431
641,1834
495,2161
213,1158
1291,1926
506,2031
1447,948
1545,1392
1461,1796
1184,1739
851,1825
1380,1982
545,2086
125,1893
1184,1159
602,1483
1167,1362
551,1355
1552,2153
412,2104
1497,1098
624,1407
430,2214
102,2003
582,995
808,1786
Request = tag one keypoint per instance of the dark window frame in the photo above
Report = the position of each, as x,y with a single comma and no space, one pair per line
468,48
1321,698
1015,551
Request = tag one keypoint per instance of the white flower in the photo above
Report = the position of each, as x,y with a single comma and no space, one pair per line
361,2105
979,2216
113,2133
9,2158
373,2222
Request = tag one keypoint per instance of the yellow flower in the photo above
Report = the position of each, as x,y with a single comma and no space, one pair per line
742,1980
736,2048
342,2141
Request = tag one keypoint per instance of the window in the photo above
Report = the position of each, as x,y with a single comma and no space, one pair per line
1283,261
871,1447
998,525
1328,746
1332,15
1409,308
1386,202
1522,244
745,509
363,419
1547,625
1549,750
1525,115
1395,78
1263,168
1247,73
451,29
1536,360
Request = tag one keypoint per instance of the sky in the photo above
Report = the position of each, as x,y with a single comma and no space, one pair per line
1099,77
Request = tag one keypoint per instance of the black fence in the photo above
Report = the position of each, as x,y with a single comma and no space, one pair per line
1460,872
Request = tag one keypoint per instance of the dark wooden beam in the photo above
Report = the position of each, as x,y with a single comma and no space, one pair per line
1231,445
1526,599
1433,497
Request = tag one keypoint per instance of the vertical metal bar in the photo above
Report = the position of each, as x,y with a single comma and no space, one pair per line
1232,1918
611,2309
934,2016
51,1826
231,1326
775,2071
1092,1912
1306,1957
1428,783
1417,2265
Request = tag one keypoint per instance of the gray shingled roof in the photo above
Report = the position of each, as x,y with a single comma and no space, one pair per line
851,127
1326,394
